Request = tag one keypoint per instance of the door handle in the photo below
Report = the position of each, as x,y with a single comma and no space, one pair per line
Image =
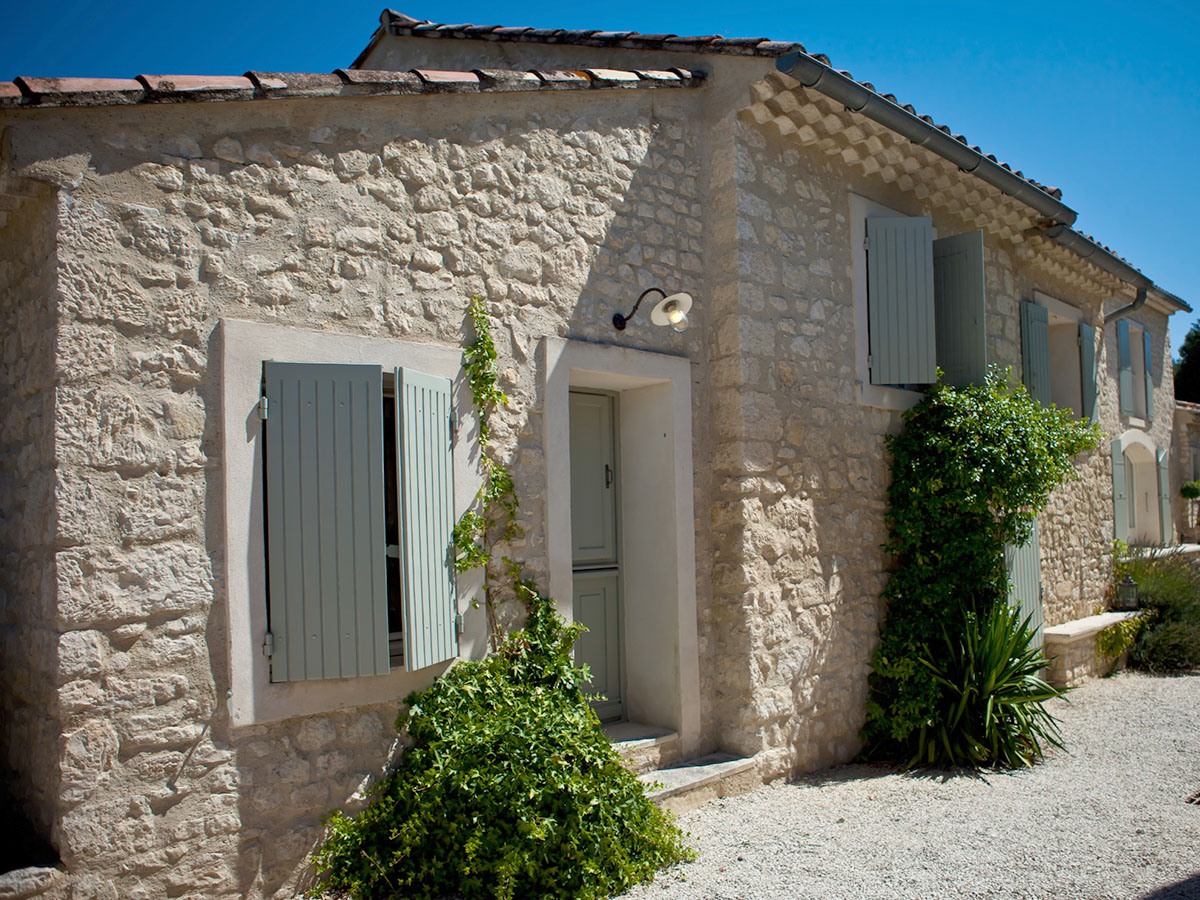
608,475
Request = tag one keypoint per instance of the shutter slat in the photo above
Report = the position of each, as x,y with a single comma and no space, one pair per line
426,518
325,520
1120,498
1124,368
900,300
1087,369
959,304
1164,498
1149,377
1035,351
328,396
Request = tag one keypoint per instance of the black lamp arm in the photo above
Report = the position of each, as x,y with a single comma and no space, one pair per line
620,321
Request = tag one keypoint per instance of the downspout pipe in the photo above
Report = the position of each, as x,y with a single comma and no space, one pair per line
1138,302
818,76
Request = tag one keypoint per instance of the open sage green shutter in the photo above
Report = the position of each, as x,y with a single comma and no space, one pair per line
1035,351
327,590
900,300
959,313
1120,495
426,504
1087,370
1023,565
1149,377
1124,368
1164,498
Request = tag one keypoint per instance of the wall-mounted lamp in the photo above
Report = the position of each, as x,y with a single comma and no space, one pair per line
670,310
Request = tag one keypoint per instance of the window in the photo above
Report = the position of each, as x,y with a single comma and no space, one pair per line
1135,373
242,456
919,305
1141,490
359,499
1058,355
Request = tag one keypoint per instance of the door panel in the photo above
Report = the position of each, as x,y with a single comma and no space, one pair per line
1024,568
593,480
597,607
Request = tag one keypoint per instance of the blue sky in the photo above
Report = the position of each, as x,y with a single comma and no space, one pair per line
1101,99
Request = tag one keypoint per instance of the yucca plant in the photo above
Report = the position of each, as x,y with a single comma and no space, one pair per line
990,710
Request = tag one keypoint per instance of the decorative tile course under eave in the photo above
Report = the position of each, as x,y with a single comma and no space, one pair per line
27,93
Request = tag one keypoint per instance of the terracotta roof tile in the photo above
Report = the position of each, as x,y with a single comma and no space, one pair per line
81,91
399,24
460,81
225,87
26,92
10,94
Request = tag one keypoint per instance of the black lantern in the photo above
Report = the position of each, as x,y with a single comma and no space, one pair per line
1127,594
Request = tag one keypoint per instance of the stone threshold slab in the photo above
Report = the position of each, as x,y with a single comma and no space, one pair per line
694,773
630,736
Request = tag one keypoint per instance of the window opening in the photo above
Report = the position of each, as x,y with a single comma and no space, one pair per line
391,468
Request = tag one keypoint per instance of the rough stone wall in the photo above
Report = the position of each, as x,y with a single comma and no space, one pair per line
29,740
1185,440
346,215
801,466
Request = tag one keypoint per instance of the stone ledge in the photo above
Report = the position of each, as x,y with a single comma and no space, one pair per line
693,783
1071,650
1077,629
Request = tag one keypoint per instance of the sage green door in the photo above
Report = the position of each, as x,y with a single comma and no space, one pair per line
1024,568
596,567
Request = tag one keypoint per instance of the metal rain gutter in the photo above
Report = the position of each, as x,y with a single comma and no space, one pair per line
814,74
833,84
1098,256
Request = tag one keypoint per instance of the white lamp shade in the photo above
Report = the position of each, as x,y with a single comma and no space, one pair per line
672,311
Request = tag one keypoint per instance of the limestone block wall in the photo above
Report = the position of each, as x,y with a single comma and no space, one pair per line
366,217
29,740
800,461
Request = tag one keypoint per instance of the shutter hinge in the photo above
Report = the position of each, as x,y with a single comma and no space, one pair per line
262,408
866,242
453,423
458,626
870,361
268,645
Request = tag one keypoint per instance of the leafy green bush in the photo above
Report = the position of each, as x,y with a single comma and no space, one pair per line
1190,490
1169,587
1118,637
970,470
509,790
990,706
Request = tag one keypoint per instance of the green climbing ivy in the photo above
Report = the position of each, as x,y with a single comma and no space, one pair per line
509,788
493,514
971,468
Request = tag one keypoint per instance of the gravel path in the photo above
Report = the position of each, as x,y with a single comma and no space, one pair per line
1107,820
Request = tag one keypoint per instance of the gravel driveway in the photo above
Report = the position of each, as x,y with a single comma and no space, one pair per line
1107,820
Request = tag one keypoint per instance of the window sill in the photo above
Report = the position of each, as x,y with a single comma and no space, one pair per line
883,397
1136,422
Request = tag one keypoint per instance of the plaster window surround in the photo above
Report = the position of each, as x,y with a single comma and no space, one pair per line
887,397
1068,329
243,347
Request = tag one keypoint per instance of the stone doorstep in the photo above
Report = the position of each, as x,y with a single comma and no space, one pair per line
643,748
691,784
1089,626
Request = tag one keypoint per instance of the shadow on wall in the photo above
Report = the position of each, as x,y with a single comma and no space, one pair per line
555,273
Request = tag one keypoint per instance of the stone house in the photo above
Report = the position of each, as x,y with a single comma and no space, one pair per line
201,652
